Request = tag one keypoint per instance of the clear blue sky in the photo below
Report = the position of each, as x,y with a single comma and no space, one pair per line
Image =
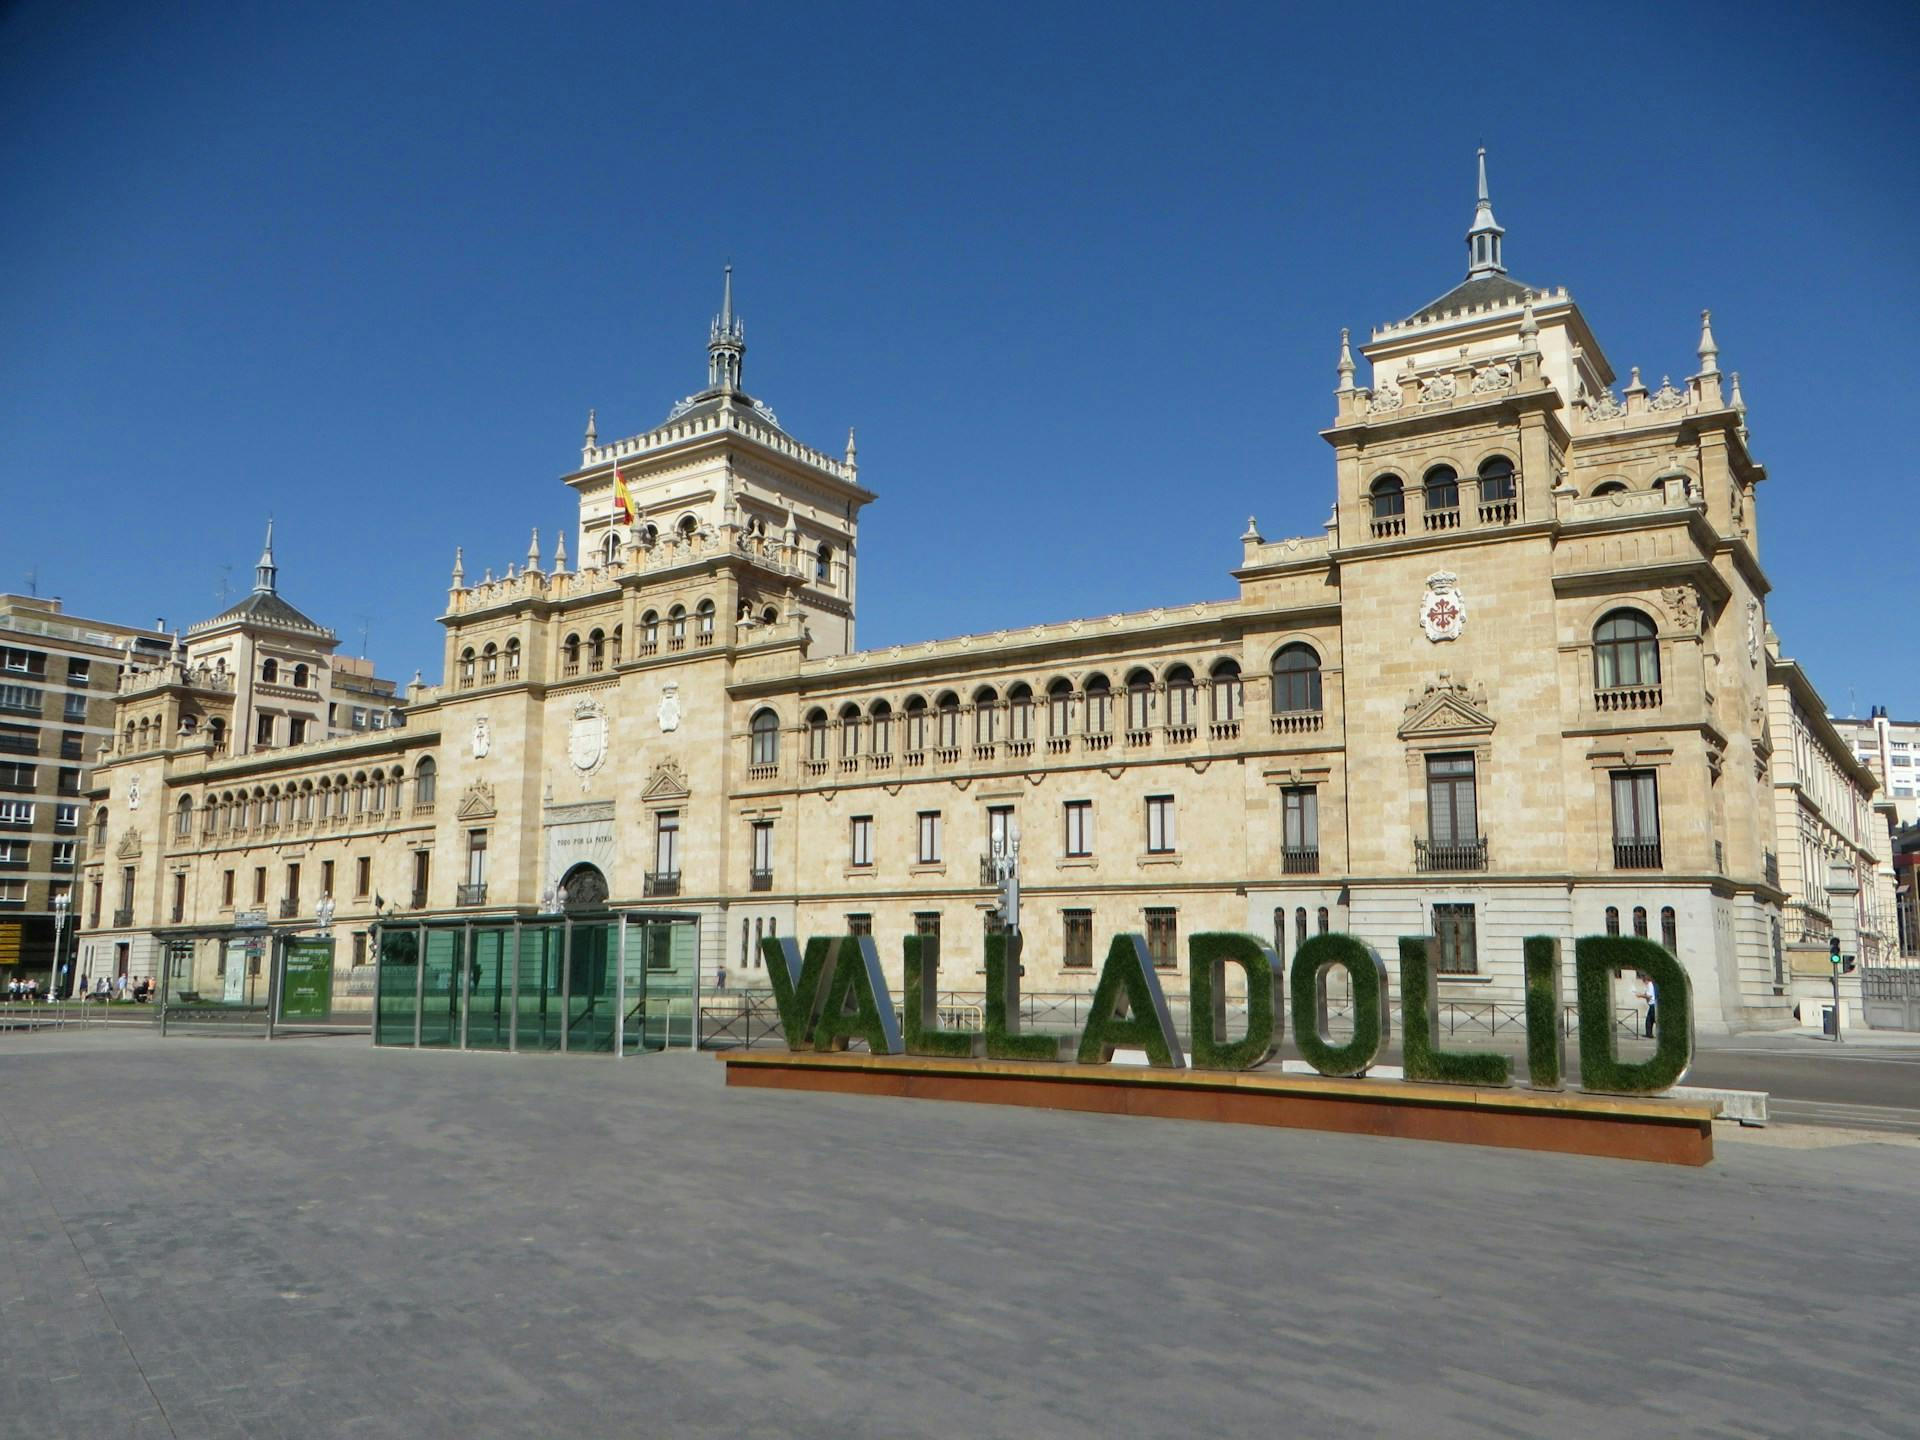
1076,273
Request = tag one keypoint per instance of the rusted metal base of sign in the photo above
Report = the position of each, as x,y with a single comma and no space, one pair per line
1669,1132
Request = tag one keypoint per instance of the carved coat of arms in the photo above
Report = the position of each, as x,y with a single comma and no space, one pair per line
1443,610
670,708
587,739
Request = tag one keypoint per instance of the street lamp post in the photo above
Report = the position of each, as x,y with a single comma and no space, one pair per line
60,904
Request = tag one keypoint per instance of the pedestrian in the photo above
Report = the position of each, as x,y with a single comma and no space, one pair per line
1653,1005
13,988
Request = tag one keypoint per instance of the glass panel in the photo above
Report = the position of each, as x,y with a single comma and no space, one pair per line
393,1013
490,989
590,997
539,1017
440,999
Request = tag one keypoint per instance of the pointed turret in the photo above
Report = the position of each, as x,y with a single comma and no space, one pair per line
1344,369
560,554
726,343
1709,352
533,550
459,569
266,573
1483,240
853,451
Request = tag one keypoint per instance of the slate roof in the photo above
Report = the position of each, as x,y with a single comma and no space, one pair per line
1474,295
264,607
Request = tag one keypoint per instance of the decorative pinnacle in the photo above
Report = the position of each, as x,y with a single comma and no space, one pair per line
1344,370
560,554
264,574
533,549
1252,531
853,451
1739,401
1529,327
1709,352
593,429
459,568
727,328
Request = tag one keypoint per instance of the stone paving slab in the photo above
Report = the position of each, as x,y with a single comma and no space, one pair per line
312,1238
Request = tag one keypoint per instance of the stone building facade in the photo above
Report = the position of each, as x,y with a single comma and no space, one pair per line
1517,683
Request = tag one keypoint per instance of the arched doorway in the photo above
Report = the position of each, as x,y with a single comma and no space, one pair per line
583,891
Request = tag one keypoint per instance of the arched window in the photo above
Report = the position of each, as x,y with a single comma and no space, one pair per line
1610,487
687,526
677,628
1496,479
513,659
570,655
817,734
270,672
769,616
1640,921
1099,693
823,565
849,731
426,777
1180,704
703,623
610,548
882,721
1227,693
1625,650
1323,919
129,744
1613,919
466,667
1020,712
1443,488
947,722
490,663
300,677
1296,680
1139,700
217,728
650,632
146,734
986,716
596,650
377,793
1389,498
1059,708
1670,930
1299,927
766,737
183,817
916,725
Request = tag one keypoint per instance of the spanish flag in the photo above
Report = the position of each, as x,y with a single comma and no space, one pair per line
622,497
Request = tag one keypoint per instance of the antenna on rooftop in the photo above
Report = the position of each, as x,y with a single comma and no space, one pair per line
224,588
366,624
33,582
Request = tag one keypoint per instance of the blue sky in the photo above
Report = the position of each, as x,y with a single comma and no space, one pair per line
1077,273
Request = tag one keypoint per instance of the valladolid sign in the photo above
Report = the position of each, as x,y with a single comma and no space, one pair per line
834,993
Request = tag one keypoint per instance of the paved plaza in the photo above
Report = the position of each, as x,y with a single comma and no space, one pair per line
310,1238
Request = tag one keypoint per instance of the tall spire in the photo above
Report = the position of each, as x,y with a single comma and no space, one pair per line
266,573
1483,240
1344,370
726,343
1709,352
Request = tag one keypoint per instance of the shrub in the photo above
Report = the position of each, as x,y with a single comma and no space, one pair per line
1546,1038
1595,958
1208,955
1004,1040
1420,1019
1128,974
1307,982
922,1005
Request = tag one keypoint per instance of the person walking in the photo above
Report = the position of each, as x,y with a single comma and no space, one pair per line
1653,1005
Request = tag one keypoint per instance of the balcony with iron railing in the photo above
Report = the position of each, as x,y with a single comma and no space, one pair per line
1807,924
1636,854
1300,860
760,880
1433,857
661,884
471,894
123,917
417,900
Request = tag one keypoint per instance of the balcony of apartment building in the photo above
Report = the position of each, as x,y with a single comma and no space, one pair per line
661,884
471,893
1446,857
123,917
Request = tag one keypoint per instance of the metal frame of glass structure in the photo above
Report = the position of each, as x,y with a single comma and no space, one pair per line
615,983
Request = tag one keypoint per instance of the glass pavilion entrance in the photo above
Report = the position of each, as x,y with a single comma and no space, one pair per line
606,984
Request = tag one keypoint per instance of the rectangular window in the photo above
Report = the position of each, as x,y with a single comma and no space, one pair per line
226,890
263,730
14,853
326,877
666,843
999,829
422,872
1160,825
19,740
13,893
66,817
296,729
78,671
476,857
72,747
927,922
929,851
16,814
179,898
860,924
19,700
1453,816
1079,815
1300,816
1076,939
862,827
293,884
15,775
63,855
75,708
1457,952
359,948
763,847
1636,820
260,885
363,877
1163,937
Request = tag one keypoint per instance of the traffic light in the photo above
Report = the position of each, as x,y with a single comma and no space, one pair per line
1833,950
